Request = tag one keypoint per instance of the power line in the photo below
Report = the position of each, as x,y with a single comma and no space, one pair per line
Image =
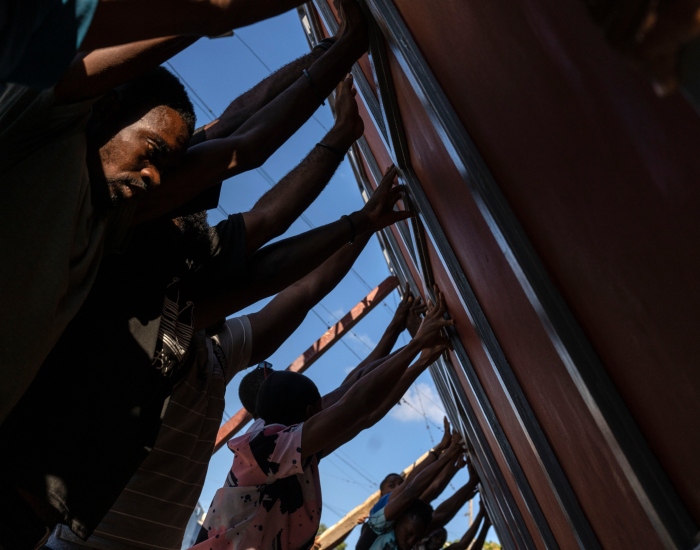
357,470
346,480
341,340
341,515
425,417
405,402
348,457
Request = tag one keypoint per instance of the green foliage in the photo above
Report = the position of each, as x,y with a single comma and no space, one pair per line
489,545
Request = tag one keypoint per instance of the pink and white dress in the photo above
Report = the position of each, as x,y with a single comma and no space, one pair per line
271,501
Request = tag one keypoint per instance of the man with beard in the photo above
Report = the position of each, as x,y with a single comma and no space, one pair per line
119,338
60,169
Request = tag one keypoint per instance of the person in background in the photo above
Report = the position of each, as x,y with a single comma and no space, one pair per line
446,511
271,498
393,481
403,517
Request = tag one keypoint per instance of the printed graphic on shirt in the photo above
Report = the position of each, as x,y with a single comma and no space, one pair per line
175,332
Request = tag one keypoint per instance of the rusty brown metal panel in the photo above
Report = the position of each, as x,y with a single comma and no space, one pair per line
579,446
602,175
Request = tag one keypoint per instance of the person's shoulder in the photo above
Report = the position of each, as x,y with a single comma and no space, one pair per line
381,503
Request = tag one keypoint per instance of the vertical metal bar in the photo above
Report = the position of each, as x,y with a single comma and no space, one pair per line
644,474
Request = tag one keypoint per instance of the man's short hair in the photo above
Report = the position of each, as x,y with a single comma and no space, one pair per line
250,386
386,480
157,88
284,398
420,511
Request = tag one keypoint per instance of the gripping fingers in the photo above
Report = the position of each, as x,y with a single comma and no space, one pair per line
389,175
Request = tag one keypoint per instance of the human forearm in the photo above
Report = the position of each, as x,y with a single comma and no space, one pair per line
99,71
439,483
249,103
363,368
277,209
272,325
387,341
481,537
364,421
469,535
409,491
321,431
123,21
448,509
397,392
271,270
270,127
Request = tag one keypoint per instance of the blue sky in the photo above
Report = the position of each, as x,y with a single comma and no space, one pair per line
218,71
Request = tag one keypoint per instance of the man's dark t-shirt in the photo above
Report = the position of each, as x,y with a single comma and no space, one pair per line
94,411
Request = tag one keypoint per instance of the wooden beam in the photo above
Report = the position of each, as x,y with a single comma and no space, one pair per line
335,534
333,335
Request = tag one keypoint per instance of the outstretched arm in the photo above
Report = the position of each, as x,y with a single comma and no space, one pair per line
365,400
122,21
448,509
262,134
481,538
390,336
274,323
468,537
332,397
435,451
403,496
97,72
382,350
440,482
278,265
284,203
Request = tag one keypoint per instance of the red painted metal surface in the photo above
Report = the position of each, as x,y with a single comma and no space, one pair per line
601,175
315,351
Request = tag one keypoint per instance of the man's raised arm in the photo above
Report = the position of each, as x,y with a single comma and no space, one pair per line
277,209
274,323
262,134
448,509
403,496
276,266
468,537
122,21
438,485
333,426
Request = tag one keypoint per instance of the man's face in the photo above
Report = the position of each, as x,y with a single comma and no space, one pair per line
392,483
409,531
134,160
